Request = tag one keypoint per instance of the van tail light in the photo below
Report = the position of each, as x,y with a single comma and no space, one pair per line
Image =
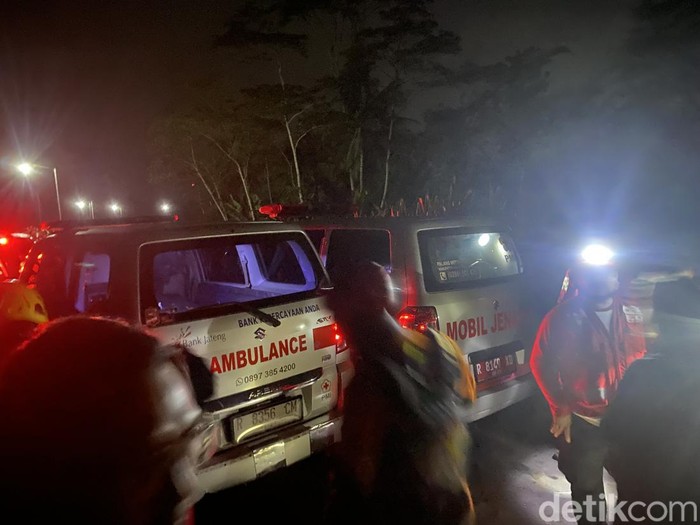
329,335
341,345
419,318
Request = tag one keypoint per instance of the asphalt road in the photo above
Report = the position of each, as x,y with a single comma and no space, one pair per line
512,475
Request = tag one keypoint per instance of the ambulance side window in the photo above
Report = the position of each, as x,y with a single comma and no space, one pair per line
353,245
316,238
48,269
92,282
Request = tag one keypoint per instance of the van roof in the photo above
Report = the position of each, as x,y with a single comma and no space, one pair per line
141,232
401,222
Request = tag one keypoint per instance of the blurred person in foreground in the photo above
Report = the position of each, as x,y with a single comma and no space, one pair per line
653,427
99,425
21,310
403,454
582,350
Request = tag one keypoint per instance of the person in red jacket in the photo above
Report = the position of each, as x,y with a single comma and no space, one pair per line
582,350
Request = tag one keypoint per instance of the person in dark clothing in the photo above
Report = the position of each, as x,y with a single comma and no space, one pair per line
653,426
100,424
402,457
582,350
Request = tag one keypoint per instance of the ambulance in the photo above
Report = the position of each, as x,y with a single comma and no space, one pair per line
461,276
248,298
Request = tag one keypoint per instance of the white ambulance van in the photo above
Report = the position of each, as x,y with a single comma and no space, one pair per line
246,297
463,277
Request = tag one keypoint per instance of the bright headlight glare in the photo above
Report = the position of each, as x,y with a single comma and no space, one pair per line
597,255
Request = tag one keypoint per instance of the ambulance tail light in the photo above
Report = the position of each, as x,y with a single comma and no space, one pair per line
341,345
419,318
329,335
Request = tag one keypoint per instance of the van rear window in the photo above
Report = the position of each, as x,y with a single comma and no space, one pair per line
202,273
454,259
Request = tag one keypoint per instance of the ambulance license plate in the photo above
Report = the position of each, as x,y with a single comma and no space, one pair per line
499,366
254,423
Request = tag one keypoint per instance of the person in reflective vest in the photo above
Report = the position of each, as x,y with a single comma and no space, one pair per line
403,453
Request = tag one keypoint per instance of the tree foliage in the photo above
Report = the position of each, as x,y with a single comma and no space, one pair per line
350,136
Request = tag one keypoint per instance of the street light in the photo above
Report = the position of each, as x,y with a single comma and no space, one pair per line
116,208
165,207
82,205
27,169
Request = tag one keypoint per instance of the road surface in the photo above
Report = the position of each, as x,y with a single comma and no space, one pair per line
513,474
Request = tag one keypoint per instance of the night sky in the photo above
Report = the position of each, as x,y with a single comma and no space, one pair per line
80,84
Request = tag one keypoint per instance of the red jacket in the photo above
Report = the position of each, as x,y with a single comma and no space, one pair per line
578,363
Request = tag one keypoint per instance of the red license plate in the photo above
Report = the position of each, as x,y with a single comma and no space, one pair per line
499,366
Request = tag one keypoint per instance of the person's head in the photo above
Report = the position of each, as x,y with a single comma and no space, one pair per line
361,294
97,424
21,310
597,283
676,316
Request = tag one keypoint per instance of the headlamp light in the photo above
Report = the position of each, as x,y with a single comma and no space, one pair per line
597,255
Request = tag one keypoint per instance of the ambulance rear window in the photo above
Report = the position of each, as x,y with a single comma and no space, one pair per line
198,274
455,259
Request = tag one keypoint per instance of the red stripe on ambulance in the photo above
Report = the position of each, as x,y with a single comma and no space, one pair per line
324,336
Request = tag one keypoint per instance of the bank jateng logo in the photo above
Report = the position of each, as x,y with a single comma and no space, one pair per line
562,510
